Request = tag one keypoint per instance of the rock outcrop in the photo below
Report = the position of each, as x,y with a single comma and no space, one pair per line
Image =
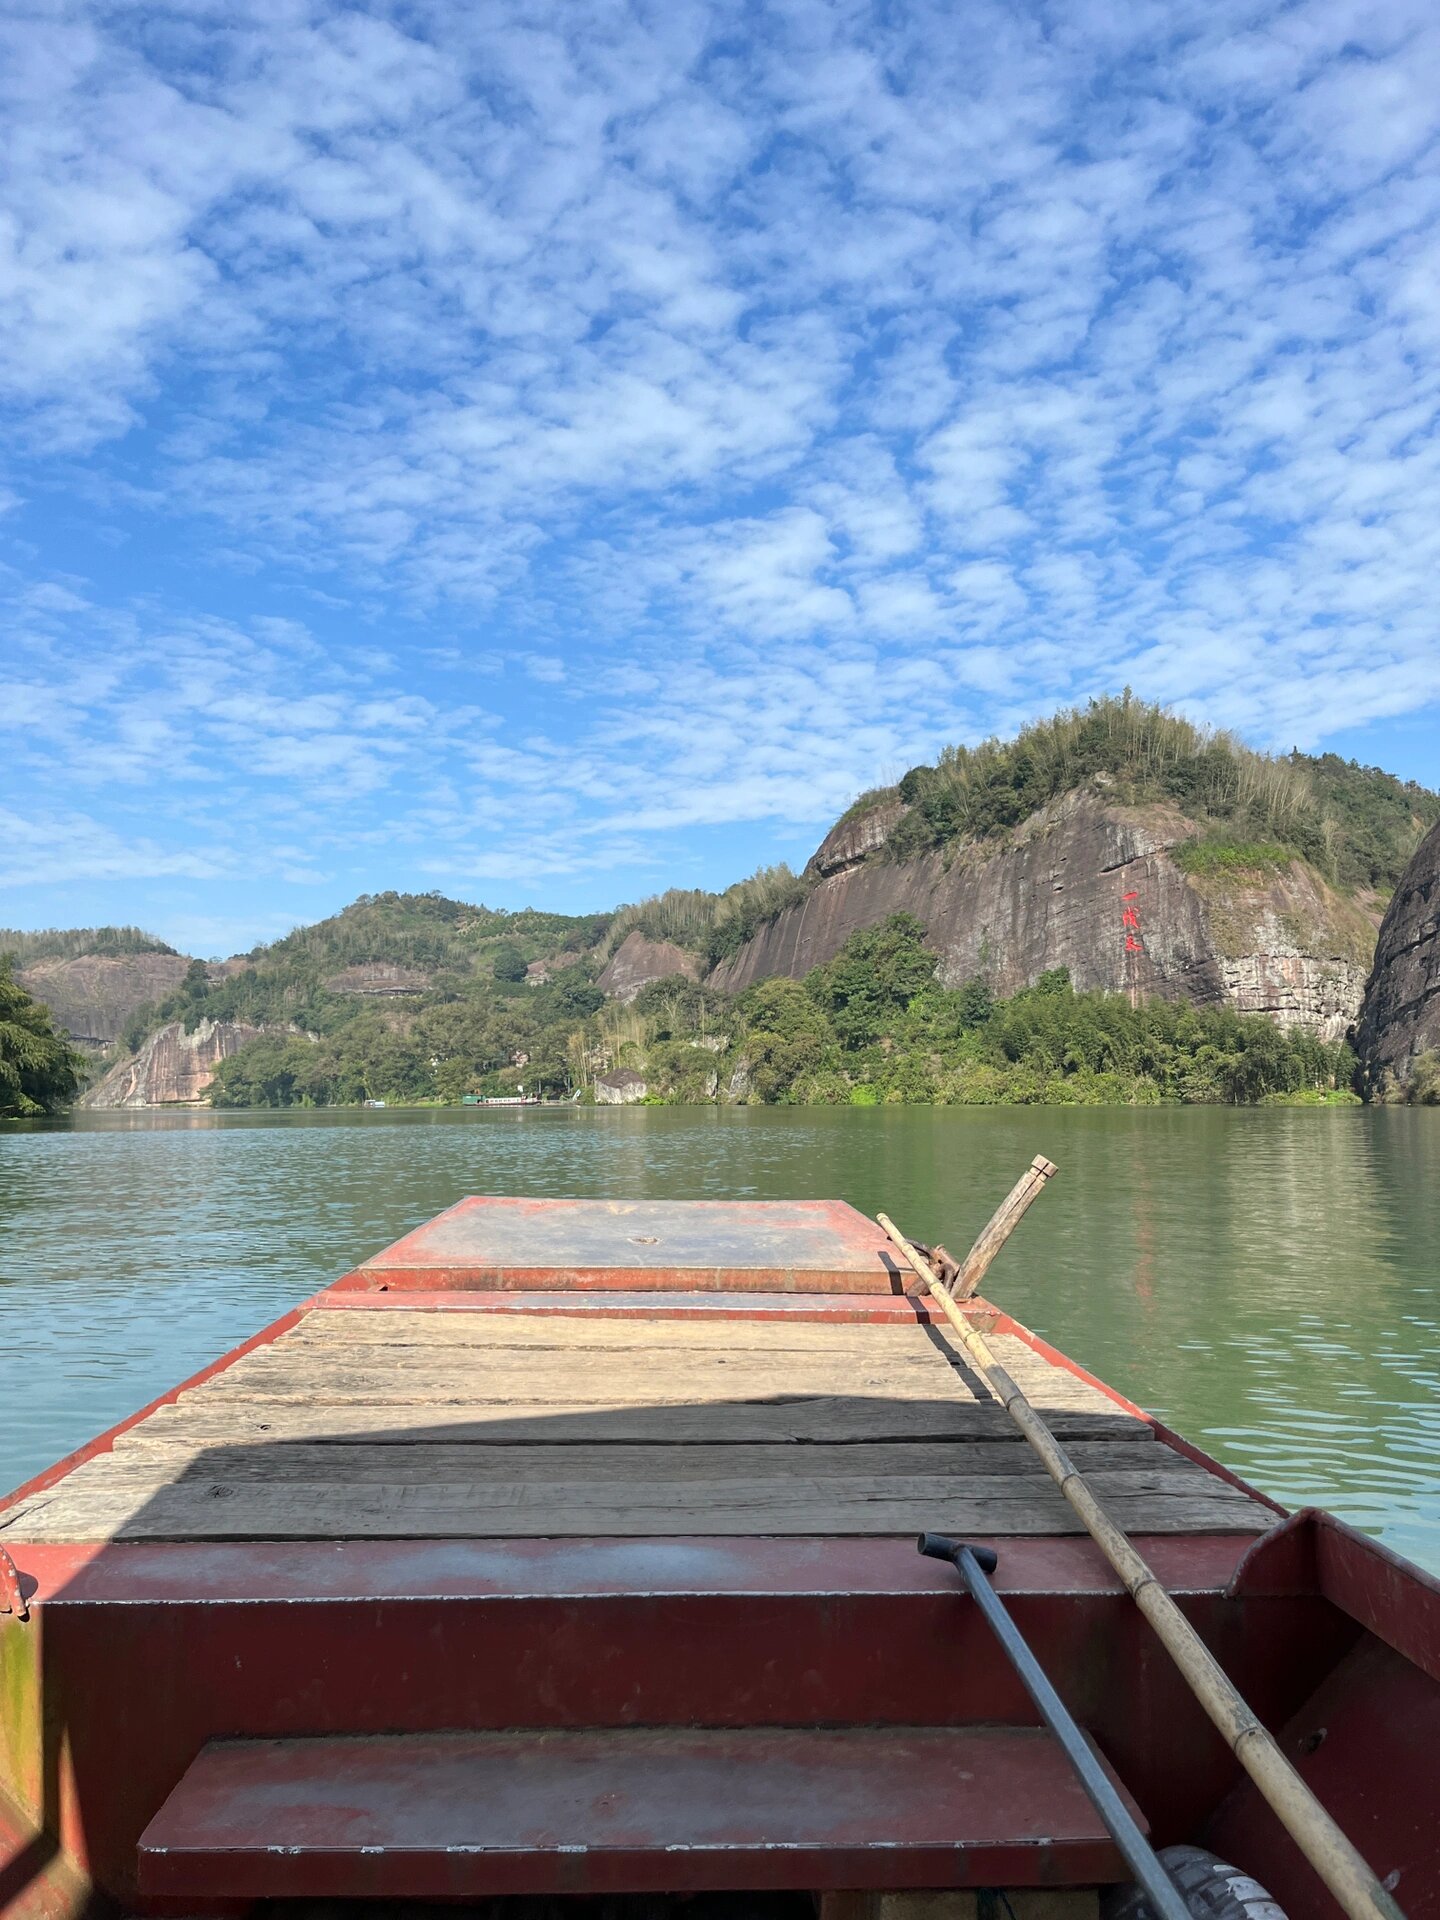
1401,1016
378,980
1056,894
854,836
173,1067
94,995
620,1087
638,960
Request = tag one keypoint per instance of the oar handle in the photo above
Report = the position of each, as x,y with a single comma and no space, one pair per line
939,1546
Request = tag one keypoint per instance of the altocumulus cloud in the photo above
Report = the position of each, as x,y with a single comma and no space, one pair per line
528,443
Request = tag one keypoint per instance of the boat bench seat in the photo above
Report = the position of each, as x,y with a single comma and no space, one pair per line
461,1815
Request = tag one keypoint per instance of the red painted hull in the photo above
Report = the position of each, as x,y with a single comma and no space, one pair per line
132,1659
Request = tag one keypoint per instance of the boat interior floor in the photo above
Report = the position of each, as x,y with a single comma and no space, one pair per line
425,1423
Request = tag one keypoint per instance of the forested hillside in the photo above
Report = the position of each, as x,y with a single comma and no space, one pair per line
415,997
873,1026
74,943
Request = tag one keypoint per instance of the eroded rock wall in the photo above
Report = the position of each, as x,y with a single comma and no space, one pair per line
1401,1016
638,960
856,835
173,1067
1055,895
378,980
93,996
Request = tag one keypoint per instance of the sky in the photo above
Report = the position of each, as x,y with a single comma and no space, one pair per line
548,453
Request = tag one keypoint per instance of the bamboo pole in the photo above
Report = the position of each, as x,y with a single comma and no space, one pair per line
1002,1224
1338,1863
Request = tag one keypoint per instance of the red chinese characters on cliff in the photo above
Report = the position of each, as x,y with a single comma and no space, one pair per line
1130,921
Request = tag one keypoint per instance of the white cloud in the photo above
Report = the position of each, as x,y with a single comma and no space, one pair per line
55,848
781,401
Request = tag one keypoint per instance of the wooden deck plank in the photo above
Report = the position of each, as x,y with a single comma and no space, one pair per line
312,1373
572,1332
158,1462
305,1355
795,1507
454,1426
819,1420
604,1490
510,1364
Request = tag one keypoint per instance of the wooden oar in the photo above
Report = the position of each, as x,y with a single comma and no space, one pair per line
1337,1862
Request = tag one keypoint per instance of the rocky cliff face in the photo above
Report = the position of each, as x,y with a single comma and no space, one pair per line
92,997
1401,1015
637,961
172,1067
378,980
1056,893
853,837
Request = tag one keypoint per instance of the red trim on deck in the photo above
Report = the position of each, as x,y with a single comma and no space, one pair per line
182,1573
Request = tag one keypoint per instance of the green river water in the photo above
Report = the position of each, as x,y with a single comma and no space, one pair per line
1265,1280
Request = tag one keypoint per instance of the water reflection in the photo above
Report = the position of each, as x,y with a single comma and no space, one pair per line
1265,1280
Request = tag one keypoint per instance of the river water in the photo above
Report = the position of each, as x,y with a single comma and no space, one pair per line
1265,1280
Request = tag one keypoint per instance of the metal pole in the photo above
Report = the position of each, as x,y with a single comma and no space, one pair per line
972,1564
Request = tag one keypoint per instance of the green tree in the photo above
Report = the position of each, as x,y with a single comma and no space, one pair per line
39,1069
277,1070
508,963
975,1002
875,978
788,1039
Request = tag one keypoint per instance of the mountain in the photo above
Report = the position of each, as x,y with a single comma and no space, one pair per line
1117,847
94,978
1142,854
1130,899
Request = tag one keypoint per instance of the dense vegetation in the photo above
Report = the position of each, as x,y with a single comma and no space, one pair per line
427,931
1358,825
714,925
71,943
39,1070
300,981
872,1026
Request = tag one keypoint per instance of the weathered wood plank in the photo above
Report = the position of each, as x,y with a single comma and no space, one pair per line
336,1369
820,1420
162,1465
584,1490
582,1334
415,1375
801,1507
240,1521
314,1358
539,1386
572,1333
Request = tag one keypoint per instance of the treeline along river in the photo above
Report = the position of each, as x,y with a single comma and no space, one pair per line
1263,1279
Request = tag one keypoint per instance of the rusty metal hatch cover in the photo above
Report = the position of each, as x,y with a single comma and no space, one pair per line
811,1246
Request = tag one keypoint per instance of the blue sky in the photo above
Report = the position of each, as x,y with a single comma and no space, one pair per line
550,452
